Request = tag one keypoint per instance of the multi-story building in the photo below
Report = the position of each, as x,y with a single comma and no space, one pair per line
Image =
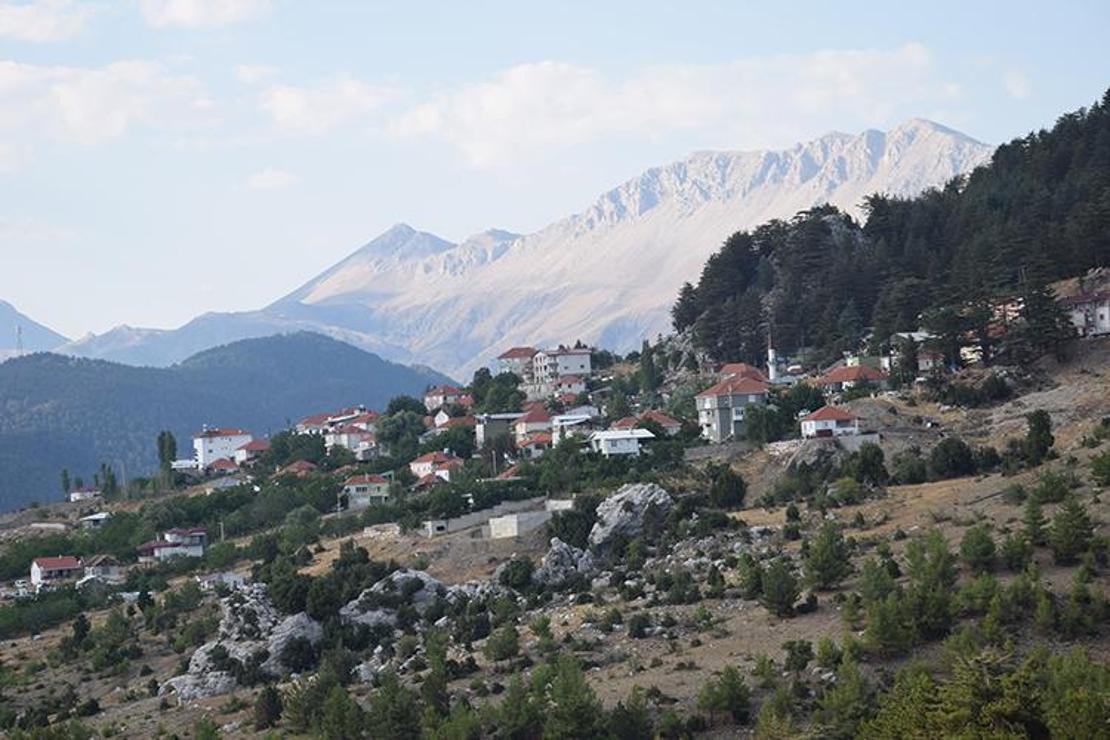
218,444
721,407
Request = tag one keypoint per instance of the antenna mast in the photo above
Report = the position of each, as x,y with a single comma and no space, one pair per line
18,340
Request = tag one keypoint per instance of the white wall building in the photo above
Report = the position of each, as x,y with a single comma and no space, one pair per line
365,490
48,571
830,421
218,443
84,493
619,441
550,364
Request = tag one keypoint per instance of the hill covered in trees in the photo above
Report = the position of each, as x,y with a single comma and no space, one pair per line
60,412
1038,212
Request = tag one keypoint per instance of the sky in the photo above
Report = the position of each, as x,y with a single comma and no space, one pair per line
164,158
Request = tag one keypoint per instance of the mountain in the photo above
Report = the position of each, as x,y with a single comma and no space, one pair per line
35,336
58,411
606,275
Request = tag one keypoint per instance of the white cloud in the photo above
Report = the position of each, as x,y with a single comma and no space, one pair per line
43,20
1017,85
89,105
250,74
531,109
194,14
313,110
271,179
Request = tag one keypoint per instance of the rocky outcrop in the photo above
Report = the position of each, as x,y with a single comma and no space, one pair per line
817,454
251,632
563,563
627,513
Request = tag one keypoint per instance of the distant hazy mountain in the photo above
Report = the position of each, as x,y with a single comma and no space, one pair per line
608,274
36,337
58,411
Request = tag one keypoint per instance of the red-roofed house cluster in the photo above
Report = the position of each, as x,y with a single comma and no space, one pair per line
353,428
548,373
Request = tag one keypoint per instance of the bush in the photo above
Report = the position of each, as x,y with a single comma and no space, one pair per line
502,644
638,625
1017,552
267,708
517,574
908,468
1100,469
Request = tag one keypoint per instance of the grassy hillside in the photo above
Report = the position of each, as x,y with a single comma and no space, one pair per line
60,412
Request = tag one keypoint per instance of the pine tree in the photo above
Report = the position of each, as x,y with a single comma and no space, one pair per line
66,484
1071,532
977,549
828,563
1038,439
1034,521
575,711
341,717
779,588
267,708
726,694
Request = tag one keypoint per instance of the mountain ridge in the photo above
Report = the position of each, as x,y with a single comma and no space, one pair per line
604,274
36,337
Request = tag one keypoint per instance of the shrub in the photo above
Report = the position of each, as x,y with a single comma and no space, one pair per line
798,655
1017,551
908,468
517,574
267,708
638,625
503,644
1100,469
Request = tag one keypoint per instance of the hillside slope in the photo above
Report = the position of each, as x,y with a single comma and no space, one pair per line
58,412
35,336
604,275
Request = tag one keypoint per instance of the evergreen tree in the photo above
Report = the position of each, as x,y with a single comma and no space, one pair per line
685,310
726,694
394,712
827,562
649,374
977,549
575,711
267,708
779,588
1071,532
341,717
847,704
1034,521
1038,438
518,717
67,486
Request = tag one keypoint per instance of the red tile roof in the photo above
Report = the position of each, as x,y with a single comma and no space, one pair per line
221,432
222,464
315,420
436,457
459,421
658,417
535,415
536,438
368,479
443,390
187,530
735,385
568,379
256,445
517,353
830,413
299,466
852,374
508,473
742,370
61,562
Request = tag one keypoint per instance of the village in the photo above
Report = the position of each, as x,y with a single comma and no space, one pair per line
566,399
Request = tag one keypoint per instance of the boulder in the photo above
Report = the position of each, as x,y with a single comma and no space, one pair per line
562,563
289,629
627,513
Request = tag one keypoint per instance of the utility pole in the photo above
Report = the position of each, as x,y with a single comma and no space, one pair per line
18,340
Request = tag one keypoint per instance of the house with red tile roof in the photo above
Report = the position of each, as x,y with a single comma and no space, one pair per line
441,395
830,421
213,443
186,542
844,377
518,361
721,406
534,445
535,419
741,370
223,465
251,451
364,490
670,425
49,571
434,463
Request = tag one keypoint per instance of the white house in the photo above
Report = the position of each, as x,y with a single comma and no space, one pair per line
830,421
536,419
570,425
548,365
489,426
218,443
844,377
721,406
94,521
84,493
60,569
619,441
104,567
434,463
229,579
534,445
670,425
179,542
517,361
570,385
363,490
250,451
441,395
356,439
1089,313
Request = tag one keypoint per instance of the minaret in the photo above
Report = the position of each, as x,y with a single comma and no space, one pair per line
772,361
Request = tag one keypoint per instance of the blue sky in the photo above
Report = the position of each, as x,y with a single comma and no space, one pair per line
162,158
